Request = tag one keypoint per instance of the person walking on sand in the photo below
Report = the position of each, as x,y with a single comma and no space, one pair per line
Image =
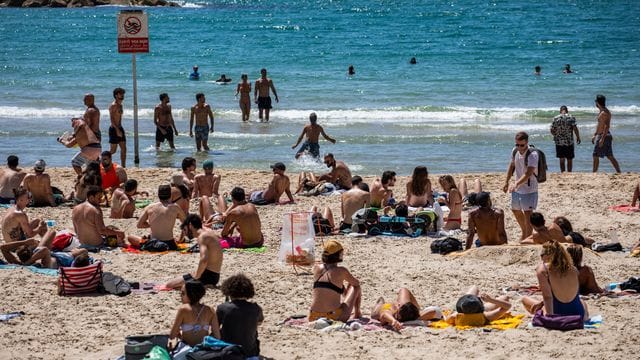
92,115
165,126
313,132
116,131
261,95
244,89
562,128
524,192
602,139
201,111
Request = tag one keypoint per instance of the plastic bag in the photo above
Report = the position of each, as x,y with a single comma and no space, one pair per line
298,239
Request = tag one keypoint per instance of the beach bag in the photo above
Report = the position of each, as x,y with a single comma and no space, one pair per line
607,247
632,284
138,346
363,219
61,241
114,284
158,353
558,322
297,242
155,246
541,175
446,245
429,218
215,349
79,280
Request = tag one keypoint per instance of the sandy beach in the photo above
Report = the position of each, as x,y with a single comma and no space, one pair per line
94,327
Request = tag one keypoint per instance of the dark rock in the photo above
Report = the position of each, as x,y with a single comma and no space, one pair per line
58,3
35,3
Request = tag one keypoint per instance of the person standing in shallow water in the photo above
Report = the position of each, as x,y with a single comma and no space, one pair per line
201,112
244,89
261,95
602,138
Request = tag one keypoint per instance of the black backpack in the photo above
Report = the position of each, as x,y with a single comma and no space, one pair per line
632,284
446,245
155,246
541,176
231,352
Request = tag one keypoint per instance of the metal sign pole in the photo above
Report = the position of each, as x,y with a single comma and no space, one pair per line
136,158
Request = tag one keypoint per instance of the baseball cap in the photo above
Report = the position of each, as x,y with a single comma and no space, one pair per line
331,247
207,164
39,165
279,166
469,304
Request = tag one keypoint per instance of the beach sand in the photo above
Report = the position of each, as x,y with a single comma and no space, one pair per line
94,327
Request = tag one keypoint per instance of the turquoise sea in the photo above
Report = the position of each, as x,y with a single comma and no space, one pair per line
456,110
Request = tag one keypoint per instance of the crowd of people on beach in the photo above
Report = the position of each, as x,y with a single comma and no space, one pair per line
232,221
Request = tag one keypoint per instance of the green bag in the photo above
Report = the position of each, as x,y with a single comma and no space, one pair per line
158,353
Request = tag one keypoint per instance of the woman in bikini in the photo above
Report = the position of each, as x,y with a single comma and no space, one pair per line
559,283
194,320
453,201
244,89
586,277
419,192
331,299
405,308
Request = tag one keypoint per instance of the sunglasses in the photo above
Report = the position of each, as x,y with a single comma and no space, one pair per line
521,145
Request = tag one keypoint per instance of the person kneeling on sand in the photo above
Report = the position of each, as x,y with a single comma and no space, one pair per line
541,233
210,263
194,320
405,308
586,277
331,299
475,309
238,317
160,217
487,222
559,283
241,216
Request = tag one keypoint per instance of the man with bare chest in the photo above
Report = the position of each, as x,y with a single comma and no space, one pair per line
313,132
201,111
165,126
487,222
39,185
206,184
340,175
261,95
116,131
10,179
92,116
602,138
279,184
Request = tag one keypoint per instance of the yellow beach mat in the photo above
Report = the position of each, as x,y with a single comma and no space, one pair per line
506,322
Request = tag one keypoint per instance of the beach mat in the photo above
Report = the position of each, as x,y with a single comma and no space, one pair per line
594,322
33,269
624,208
506,322
149,288
182,247
142,203
364,323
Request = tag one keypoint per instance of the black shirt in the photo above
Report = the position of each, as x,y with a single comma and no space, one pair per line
239,320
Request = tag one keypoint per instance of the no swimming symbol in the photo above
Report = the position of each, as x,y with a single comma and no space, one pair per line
132,25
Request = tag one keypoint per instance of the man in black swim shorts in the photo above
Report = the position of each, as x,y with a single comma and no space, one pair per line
163,120
210,262
116,131
261,95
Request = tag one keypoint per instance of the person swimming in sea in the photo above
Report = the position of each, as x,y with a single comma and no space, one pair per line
223,79
195,75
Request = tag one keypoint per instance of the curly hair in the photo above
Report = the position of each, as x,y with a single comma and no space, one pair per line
559,257
238,286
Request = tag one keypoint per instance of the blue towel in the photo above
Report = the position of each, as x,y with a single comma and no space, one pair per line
34,269
11,315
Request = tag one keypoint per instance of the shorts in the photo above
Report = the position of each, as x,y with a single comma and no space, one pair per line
63,259
160,137
257,198
80,160
202,132
607,146
332,315
321,225
173,246
4,200
524,202
236,242
208,277
114,138
264,102
345,226
314,149
565,151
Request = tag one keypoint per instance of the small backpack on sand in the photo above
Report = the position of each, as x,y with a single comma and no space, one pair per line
541,175
446,245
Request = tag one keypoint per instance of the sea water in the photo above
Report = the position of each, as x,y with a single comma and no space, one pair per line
456,110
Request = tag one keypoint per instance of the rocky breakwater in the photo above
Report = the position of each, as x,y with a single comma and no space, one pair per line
82,3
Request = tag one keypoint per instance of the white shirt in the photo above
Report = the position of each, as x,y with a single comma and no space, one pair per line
530,186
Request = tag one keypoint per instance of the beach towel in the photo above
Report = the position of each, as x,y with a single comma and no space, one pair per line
508,321
148,287
594,322
523,289
364,323
624,208
182,247
11,315
32,268
142,203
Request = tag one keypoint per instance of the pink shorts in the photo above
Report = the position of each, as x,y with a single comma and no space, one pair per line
236,242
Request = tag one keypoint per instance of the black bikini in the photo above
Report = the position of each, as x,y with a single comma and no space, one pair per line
327,284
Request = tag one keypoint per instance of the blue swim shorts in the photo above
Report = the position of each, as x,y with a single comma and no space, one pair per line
201,132
524,202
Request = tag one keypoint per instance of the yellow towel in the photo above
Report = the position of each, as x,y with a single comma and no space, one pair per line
506,322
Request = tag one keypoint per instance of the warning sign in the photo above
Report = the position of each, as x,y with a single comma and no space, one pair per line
133,31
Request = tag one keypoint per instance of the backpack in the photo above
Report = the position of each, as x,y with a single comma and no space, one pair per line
446,245
114,284
216,349
154,246
138,346
632,284
541,176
